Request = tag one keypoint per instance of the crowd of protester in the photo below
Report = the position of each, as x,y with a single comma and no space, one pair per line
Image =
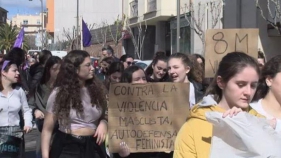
67,99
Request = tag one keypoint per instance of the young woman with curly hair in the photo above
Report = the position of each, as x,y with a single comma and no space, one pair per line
78,103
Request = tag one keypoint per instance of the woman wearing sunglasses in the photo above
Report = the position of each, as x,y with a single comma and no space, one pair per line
127,61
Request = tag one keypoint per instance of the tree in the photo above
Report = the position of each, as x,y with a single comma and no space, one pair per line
100,32
71,38
115,30
274,12
8,35
137,37
196,20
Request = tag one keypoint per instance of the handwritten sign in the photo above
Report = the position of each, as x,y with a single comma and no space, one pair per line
219,42
146,116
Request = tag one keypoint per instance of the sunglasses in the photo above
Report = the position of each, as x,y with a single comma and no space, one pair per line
130,63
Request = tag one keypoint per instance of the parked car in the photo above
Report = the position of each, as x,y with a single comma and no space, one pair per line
143,63
31,52
59,53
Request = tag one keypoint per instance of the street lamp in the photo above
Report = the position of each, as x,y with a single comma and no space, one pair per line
42,24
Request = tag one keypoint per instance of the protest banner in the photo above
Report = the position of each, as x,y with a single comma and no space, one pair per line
146,116
219,42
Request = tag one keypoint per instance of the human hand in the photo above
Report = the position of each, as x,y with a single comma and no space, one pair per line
39,114
273,123
27,129
124,150
232,112
101,132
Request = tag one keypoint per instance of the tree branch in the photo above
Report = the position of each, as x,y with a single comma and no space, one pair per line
276,18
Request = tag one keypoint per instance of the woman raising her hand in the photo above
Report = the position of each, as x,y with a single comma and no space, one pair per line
78,103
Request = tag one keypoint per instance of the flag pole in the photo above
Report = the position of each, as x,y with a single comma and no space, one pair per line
81,33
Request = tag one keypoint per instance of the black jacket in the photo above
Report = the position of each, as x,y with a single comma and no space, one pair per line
199,91
36,72
24,79
147,155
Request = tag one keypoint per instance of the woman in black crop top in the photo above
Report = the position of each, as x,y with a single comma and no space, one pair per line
78,103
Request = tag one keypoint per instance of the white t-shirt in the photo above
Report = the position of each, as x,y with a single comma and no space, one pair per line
192,100
258,107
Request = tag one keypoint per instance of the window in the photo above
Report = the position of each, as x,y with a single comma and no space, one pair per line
25,22
151,5
38,22
185,35
134,8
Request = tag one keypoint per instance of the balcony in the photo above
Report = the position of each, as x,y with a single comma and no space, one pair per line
151,5
134,8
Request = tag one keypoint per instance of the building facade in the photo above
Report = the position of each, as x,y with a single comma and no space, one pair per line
245,14
32,23
160,17
50,17
92,11
3,15
154,16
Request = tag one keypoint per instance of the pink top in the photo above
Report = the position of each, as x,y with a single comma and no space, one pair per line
91,117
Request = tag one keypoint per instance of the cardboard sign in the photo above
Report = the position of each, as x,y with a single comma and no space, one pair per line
146,116
219,42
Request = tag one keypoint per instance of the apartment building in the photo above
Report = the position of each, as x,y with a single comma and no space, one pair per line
31,23
245,14
3,15
160,18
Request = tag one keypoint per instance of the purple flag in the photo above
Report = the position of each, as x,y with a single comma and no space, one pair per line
87,37
19,39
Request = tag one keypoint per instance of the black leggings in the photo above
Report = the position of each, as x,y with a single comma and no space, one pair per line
70,146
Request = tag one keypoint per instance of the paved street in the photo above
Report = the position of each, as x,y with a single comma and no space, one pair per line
30,143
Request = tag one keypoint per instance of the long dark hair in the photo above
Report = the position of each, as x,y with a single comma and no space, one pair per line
270,69
201,57
114,67
44,55
229,66
49,64
197,69
6,69
109,61
68,88
149,69
18,56
127,76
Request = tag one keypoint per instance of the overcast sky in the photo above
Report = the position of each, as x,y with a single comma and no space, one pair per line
22,6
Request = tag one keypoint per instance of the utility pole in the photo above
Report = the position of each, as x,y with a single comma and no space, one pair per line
178,25
77,26
42,24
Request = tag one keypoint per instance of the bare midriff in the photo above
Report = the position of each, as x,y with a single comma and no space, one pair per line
83,132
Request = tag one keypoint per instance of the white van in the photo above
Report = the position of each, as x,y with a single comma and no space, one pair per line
31,52
60,54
